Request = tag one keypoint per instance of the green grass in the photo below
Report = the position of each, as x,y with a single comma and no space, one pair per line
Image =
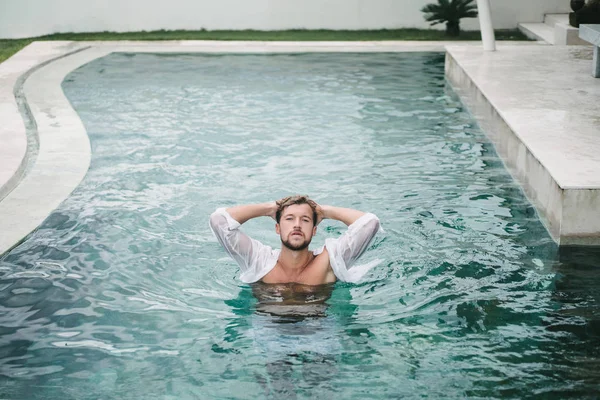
9,47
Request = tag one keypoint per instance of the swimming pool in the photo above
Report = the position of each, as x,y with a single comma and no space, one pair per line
123,292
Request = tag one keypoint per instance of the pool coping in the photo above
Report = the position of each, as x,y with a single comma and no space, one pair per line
539,106
33,183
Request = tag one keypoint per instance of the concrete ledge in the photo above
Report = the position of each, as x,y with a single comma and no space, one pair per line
63,151
591,33
544,124
554,30
17,146
537,31
564,33
256,47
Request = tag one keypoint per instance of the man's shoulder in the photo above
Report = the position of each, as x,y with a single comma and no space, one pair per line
319,250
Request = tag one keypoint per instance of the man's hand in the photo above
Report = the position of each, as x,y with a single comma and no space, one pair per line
273,207
244,213
320,214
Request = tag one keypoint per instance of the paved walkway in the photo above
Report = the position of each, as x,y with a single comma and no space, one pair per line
538,103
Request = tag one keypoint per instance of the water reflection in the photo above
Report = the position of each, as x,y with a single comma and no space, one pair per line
294,332
577,291
292,302
577,319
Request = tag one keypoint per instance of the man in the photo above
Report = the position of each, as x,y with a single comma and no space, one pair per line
297,219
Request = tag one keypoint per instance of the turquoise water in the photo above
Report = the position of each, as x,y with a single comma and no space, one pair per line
123,293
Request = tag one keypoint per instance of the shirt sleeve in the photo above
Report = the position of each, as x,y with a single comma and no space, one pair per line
254,258
345,250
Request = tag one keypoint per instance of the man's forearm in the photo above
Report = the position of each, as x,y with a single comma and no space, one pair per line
347,215
243,213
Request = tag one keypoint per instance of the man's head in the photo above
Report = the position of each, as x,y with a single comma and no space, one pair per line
296,221
293,200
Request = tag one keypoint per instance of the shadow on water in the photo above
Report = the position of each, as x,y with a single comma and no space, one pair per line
577,318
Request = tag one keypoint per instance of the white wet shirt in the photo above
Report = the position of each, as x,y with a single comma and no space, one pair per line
256,259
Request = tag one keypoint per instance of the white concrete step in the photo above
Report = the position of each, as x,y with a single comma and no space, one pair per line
553,19
538,31
564,34
555,30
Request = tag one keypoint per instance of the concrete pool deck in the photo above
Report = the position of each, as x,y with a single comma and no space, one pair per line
537,103
540,106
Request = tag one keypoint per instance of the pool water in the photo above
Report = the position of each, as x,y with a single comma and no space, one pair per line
123,293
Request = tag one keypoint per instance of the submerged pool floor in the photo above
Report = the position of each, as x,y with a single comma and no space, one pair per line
124,293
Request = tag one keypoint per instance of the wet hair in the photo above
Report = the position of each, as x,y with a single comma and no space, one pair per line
291,200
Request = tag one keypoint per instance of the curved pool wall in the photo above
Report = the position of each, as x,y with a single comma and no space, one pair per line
46,152
34,181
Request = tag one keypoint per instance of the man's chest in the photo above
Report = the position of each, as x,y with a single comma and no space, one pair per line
317,272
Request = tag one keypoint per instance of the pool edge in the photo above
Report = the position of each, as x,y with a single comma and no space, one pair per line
569,213
47,176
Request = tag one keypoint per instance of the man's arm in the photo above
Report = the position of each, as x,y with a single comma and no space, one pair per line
244,213
253,257
347,215
345,250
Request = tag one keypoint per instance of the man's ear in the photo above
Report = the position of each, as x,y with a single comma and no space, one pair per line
277,228
314,230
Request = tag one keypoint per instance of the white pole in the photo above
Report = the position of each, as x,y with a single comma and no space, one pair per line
485,25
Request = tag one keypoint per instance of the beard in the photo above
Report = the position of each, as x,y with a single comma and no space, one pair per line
296,247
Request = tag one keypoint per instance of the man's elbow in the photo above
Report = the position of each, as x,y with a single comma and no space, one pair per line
373,225
216,220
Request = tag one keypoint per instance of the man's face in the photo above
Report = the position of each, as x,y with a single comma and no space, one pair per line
296,228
